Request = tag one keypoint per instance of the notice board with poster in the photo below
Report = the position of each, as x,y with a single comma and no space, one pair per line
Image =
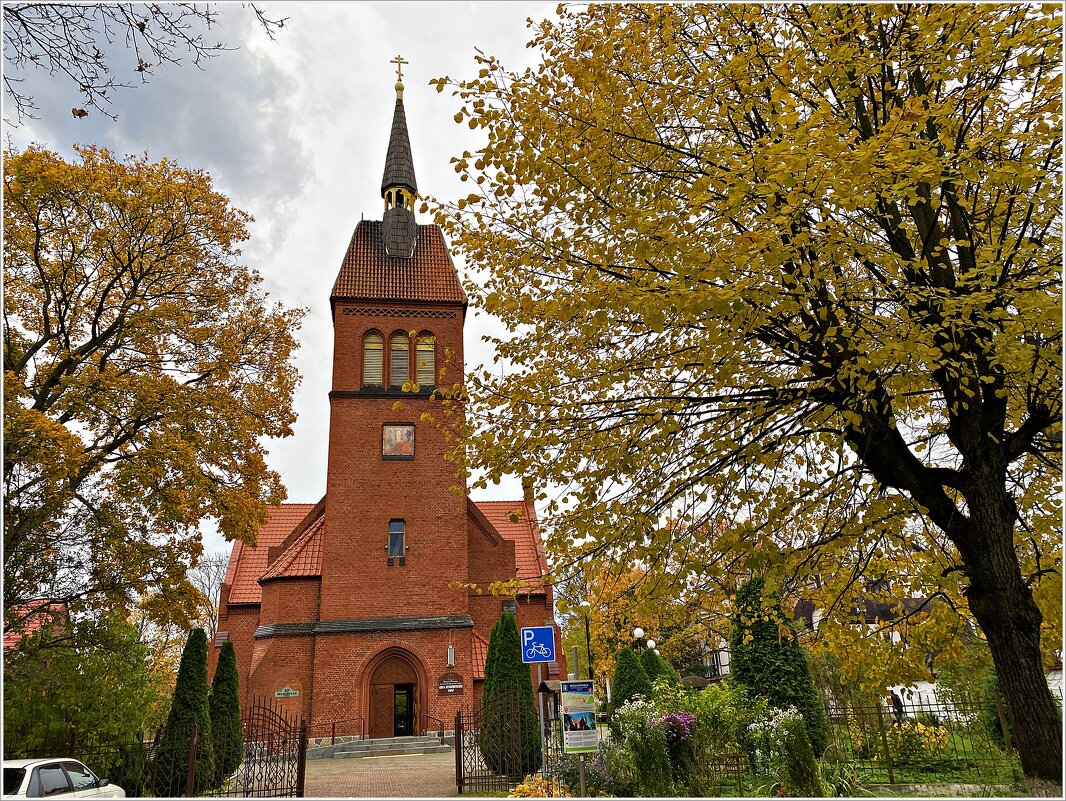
579,717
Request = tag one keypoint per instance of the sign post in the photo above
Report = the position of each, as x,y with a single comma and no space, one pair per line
538,646
580,735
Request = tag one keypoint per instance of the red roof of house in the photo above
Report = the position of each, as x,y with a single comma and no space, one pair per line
292,525
303,557
368,273
248,564
29,617
481,651
530,561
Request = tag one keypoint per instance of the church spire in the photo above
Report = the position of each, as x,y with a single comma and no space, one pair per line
398,186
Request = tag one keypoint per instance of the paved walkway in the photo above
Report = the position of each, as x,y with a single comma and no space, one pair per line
408,776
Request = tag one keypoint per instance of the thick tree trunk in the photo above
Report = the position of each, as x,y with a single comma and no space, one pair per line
1004,607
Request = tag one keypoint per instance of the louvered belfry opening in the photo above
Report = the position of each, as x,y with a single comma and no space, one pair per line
399,360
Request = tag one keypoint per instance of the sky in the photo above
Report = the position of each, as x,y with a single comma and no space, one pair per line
294,131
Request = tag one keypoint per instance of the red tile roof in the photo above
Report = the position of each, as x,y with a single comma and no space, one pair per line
481,651
29,617
530,561
368,273
303,557
247,564
292,526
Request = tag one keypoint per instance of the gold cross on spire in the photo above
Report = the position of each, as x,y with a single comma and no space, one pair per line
399,62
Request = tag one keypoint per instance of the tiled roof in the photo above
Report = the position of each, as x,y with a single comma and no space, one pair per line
530,562
303,557
399,164
29,617
247,564
481,651
369,273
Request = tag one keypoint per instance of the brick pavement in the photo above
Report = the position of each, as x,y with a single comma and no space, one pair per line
408,776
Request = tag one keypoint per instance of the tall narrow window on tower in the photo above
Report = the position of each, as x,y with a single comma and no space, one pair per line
399,361
426,364
372,351
397,546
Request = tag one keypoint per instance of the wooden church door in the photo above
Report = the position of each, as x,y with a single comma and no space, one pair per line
393,699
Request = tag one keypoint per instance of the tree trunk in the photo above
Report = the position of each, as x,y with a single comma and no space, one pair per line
1003,605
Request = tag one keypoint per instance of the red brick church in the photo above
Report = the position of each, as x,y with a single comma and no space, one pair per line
348,608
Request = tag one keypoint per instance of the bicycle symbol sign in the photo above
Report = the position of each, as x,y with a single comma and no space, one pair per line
538,644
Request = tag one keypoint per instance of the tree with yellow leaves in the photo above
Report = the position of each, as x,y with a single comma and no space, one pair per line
143,369
795,268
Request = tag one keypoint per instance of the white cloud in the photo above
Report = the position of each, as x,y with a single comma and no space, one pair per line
295,132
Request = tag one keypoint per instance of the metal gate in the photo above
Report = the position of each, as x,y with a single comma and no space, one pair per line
496,746
275,754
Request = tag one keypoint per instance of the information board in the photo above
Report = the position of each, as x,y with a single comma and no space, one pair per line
579,717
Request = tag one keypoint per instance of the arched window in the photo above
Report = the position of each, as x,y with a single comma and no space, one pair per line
399,363
372,352
426,361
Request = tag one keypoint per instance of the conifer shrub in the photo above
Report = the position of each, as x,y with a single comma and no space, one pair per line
771,663
225,706
652,664
667,672
188,708
630,679
509,738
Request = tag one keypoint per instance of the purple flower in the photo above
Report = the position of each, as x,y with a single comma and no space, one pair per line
678,726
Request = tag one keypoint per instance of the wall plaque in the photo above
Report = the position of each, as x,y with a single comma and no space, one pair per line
286,692
450,684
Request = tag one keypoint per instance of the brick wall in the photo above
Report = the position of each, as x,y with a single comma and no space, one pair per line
365,491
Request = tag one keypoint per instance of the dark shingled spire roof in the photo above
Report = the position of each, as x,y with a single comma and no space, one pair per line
399,166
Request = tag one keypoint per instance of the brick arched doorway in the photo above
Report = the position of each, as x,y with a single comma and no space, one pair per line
395,692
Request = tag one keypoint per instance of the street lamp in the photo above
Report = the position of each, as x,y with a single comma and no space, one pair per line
651,644
638,633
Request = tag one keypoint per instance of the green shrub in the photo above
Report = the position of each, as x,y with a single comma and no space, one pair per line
911,742
225,708
989,714
647,766
781,751
131,769
509,739
189,708
630,679
772,664
652,664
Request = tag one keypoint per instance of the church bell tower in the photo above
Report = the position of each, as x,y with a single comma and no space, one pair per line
395,533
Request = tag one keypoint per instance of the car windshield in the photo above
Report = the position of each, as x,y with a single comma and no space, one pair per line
13,780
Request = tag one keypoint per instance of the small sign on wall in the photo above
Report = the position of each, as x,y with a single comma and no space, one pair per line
450,684
286,692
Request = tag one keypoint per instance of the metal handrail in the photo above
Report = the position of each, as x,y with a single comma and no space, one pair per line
425,726
333,728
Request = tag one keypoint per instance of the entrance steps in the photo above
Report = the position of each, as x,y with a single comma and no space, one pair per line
384,746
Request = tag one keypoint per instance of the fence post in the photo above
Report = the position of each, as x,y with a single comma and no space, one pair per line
458,751
333,733
190,776
884,741
1003,723
301,768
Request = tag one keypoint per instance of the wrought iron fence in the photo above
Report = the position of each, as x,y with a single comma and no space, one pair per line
925,740
497,743
272,764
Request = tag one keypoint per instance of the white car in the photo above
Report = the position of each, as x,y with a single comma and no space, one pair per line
55,777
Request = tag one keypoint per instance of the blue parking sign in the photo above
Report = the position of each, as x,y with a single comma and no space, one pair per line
538,644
